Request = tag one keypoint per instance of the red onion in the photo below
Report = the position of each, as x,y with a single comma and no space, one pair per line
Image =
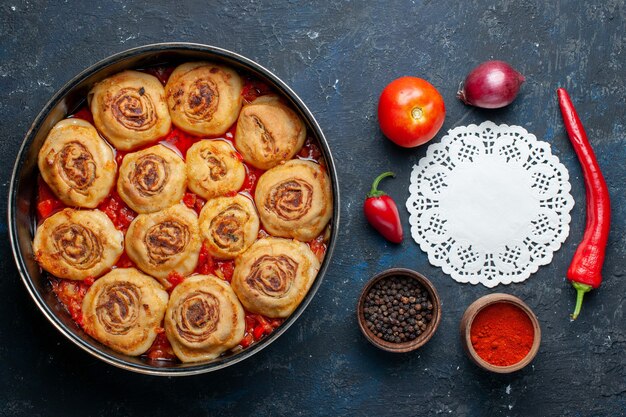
491,85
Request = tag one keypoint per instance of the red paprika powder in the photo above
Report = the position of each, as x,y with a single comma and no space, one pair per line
502,334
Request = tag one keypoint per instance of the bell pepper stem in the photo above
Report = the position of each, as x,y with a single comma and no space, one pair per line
581,289
374,192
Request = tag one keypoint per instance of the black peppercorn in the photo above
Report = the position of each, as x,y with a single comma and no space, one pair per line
393,309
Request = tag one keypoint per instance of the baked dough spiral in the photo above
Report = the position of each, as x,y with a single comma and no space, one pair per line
165,241
129,109
294,200
204,318
76,244
213,169
124,309
274,275
152,179
77,164
268,132
204,98
229,225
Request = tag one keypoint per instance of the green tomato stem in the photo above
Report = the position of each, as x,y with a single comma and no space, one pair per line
417,113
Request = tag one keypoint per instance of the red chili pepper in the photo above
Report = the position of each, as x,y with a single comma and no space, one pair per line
382,213
585,271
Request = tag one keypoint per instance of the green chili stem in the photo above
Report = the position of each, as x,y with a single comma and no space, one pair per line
374,191
581,289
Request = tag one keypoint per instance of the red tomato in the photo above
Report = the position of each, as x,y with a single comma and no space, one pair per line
410,111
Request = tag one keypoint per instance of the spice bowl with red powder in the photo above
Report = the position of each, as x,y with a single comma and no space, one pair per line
500,333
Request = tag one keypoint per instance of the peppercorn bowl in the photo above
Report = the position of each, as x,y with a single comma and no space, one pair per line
22,202
498,344
399,310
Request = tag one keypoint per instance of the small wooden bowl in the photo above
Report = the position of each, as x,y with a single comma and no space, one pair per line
426,334
468,319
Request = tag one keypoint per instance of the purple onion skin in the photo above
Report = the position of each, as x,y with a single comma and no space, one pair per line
491,85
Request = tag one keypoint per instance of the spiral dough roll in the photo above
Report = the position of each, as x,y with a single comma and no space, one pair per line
204,98
294,200
77,164
204,318
164,242
274,275
76,244
213,169
129,109
152,179
124,310
229,225
268,132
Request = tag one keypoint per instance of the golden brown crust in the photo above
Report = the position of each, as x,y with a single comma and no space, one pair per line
77,164
204,98
294,200
124,309
213,169
229,225
152,179
77,244
274,275
268,132
165,241
129,109
204,318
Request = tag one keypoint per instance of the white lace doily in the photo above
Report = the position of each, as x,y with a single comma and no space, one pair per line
489,204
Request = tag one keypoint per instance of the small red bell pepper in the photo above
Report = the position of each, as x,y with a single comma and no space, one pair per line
382,213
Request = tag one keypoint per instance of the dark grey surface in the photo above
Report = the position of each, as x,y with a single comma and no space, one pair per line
338,56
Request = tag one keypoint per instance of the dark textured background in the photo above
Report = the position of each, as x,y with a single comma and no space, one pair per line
338,56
